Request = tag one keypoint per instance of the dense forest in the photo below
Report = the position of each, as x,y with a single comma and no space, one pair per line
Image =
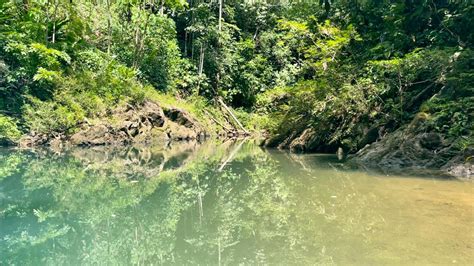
311,76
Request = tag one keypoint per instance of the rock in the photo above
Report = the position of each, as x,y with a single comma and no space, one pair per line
56,143
180,117
153,113
272,141
340,153
304,142
99,134
33,140
407,149
463,171
147,123
431,141
180,132
285,143
130,124
160,135
370,135
182,126
461,165
307,140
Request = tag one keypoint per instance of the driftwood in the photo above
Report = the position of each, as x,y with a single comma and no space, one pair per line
217,121
233,116
228,119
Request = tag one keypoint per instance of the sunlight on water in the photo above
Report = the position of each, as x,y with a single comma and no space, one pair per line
224,204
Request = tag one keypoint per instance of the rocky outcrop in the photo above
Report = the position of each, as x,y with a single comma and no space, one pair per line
304,142
146,123
180,117
414,148
299,141
126,125
406,149
182,126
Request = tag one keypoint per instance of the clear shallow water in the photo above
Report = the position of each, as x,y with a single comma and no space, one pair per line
226,204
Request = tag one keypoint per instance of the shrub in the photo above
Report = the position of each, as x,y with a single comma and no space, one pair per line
53,116
96,85
9,132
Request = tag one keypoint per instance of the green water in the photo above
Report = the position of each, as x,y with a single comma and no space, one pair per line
227,204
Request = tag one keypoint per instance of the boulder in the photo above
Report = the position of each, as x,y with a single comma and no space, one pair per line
180,132
305,141
431,140
180,117
98,134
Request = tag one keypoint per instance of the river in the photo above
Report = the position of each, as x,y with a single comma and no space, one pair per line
231,203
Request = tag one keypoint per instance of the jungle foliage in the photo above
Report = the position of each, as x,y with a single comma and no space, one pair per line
345,67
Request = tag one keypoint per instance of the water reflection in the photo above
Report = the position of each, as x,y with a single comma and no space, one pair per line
222,204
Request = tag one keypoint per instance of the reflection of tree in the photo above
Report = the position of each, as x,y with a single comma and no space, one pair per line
9,162
266,212
88,198
141,205
340,203
247,218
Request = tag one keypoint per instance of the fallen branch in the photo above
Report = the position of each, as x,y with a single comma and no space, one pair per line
228,119
233,116
216,121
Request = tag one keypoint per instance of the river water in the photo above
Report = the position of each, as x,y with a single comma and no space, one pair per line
231,203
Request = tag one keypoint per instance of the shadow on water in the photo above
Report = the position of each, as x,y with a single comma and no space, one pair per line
220,204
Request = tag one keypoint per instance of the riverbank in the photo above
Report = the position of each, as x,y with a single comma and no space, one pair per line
157,118
410,148
414,112
127,124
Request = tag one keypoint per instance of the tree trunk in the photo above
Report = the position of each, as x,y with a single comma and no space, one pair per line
201,61
200,68
48,19
109,27
140,41
185,44
56,4
220,15
162,7
217,121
